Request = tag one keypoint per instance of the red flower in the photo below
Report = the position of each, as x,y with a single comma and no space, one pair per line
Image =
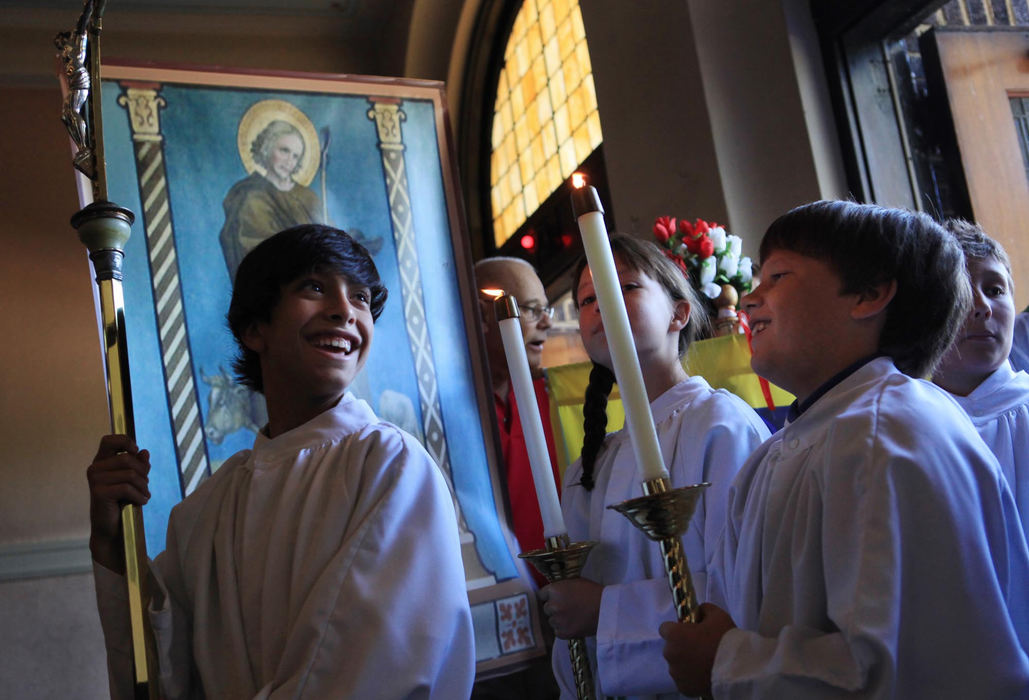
707,247
664,228
686,227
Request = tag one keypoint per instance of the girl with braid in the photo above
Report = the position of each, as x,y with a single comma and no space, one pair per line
705,435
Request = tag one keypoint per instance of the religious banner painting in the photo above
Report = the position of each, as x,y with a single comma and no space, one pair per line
214,162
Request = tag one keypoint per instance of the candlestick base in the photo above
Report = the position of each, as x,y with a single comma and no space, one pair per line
663,514
559,561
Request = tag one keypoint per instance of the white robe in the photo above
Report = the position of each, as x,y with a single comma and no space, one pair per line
873,550
1020,343
705,435
324,563
999,409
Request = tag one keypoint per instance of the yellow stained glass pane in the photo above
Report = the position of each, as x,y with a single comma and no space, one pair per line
532,121
591,92
531,13
569,162
543,110
525,168
552,56
582,57
565,38
557,89
514,181
528,88
506,119
495,200
502,88
534,40
570,72
517,103
497,132
504,187
522,136
593,128
510,152
560,9
576,109
532,202
521,61
581,139
548,26
549,135
578,28
497,162
539,73
561,125
554,173
518,28
536,152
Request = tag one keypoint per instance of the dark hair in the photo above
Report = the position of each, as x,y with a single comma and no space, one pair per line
867,245
645,257
279,260
976,245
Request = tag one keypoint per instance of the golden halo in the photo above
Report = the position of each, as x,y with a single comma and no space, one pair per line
263,113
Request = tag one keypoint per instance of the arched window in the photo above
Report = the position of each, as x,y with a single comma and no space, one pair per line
545,119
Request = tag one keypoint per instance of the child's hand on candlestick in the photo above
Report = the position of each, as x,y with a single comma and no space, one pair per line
572,607
690,649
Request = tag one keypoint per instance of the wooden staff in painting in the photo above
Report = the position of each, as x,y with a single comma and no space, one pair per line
104,228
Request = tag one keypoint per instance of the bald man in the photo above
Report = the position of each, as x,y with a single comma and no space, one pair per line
518,278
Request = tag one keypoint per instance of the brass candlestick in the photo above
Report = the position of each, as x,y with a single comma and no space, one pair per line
559,561
663,514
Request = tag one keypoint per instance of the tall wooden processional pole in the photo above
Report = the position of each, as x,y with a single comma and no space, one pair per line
104,228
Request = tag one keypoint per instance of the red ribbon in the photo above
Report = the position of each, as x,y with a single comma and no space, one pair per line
766,389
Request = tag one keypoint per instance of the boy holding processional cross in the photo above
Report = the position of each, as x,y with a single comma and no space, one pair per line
324,562
872,547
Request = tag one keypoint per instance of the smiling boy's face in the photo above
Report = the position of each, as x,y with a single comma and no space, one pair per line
803,327
983,343
317,338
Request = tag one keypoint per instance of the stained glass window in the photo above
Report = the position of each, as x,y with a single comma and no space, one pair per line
545,118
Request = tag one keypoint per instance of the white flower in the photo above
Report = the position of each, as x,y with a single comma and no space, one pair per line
711,290
735,245
728,264
746,270
682,250
707,270
717,236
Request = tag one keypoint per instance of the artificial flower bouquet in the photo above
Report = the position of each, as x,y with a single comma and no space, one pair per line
708,255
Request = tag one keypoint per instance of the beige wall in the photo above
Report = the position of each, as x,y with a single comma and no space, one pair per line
676,141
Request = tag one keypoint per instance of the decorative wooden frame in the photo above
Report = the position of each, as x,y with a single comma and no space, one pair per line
174,148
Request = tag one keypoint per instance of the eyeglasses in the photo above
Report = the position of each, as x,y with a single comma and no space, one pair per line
536,312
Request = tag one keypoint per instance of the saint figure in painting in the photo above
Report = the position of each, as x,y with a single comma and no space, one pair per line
282,159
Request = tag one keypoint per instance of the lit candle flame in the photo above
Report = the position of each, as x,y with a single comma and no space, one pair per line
578,180
493,293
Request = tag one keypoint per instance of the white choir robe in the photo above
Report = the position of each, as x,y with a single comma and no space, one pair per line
873,550
324,563
1020,343
705,435
999,409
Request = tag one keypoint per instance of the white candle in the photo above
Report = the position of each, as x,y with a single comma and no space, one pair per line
638,418
529,413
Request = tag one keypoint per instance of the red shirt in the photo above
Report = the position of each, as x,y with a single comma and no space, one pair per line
521,492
